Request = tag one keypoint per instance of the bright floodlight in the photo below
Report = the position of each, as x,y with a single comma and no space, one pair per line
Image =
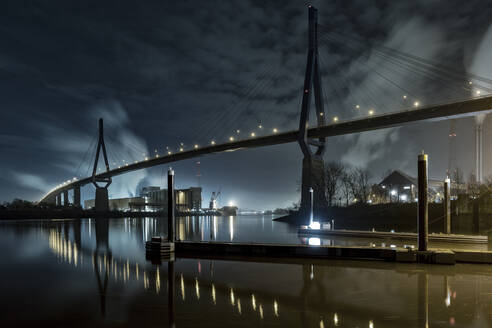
314,241
315,225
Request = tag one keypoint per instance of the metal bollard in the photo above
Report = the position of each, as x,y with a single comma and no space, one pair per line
423,210
447,206
170,206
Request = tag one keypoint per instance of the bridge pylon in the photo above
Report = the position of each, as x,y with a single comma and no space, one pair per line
313,168
101,200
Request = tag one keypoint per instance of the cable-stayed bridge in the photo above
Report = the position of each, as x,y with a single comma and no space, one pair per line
386,98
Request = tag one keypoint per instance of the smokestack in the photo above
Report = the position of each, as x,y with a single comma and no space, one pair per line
478,151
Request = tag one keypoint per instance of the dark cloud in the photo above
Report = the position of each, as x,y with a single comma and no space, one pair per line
164,72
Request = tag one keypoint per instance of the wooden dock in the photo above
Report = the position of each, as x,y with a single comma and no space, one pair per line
447,238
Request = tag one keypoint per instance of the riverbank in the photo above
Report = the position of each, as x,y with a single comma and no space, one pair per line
73,213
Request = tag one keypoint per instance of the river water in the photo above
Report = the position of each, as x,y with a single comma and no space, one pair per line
81,273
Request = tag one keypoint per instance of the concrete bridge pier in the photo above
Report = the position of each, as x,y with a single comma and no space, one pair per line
66,202
313,176
102,199
76,197
58,200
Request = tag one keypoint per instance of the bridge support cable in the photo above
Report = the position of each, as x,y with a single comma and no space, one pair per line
376,69
418,64
218,120
230,117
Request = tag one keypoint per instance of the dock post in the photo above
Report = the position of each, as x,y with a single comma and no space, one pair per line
423,206
447,206
170,206
311,203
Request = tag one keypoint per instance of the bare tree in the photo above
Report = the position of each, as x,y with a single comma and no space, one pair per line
333,179
346,187
359,184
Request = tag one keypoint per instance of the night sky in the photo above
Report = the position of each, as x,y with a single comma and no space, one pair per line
163,73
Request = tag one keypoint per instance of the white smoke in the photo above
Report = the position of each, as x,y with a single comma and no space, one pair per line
30,181
407,37
480,65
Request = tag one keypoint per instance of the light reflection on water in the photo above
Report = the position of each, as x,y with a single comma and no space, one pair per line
87,272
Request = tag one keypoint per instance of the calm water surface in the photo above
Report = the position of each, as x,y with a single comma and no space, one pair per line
94,273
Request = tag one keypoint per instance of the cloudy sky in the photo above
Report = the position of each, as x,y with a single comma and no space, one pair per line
163,73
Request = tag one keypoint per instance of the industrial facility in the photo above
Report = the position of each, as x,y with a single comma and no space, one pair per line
154,198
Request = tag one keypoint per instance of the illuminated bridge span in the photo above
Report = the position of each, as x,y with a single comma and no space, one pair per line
312,137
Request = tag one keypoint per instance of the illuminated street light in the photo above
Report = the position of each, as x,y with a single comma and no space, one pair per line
238,131
335,119
196,146
371,111
231,138
275,130
181,149
212,142
169,152
478,92
260,126
416,104
404,96
470,82
253,134
321,114
357,106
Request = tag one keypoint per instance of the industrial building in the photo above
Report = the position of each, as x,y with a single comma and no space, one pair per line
400,187
155,199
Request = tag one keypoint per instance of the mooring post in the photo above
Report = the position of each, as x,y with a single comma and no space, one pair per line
447,205
311,204
170,205
423,213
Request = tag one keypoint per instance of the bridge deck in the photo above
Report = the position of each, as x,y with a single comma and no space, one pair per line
435,112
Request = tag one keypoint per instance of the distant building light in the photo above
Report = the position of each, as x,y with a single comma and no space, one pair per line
314,241
403,198
383,186
406,187
393,192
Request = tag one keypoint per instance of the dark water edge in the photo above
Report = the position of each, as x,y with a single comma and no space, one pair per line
79,273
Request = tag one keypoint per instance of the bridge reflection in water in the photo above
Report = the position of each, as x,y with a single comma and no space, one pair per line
286,293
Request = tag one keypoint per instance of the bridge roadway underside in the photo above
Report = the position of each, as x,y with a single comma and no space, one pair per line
432,113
